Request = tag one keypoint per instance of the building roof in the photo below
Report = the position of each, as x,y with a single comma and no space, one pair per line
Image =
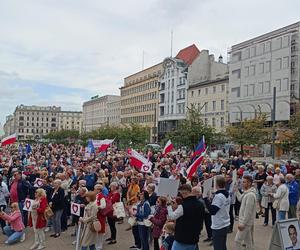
188,54
205,83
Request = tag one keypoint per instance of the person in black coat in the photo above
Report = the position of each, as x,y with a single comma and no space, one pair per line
57,205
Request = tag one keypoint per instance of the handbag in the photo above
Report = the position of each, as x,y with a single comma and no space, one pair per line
132,221
276,203
108,208
147,223
119,210
48,213
95,226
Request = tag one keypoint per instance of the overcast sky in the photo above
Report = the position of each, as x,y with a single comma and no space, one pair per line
62,52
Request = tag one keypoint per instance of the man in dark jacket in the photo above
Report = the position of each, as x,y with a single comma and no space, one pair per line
189,220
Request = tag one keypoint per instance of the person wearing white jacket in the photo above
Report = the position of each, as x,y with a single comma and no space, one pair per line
281,197
246,215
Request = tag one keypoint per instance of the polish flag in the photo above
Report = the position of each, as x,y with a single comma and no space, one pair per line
105,144
9,139
193,167
168,148
139,161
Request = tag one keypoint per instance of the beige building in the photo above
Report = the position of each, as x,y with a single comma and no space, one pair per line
70,120
96,112
211,99
9,125
139,98
113,113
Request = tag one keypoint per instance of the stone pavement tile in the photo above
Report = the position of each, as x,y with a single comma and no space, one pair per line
262,236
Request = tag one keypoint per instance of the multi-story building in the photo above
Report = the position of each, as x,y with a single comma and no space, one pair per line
208,89
95,112
70,120
257,66
9,125
139,98
114,112
33,122
173,89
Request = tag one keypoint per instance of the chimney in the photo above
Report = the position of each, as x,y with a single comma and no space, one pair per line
212,58
220,59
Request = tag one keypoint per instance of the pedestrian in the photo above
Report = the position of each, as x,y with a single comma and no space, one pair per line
281,203
219,210
142,214
4,194
37,219
293,187
101,204
246,215
267,189
168,238
88,237
57,206
189,220
159,218
15,230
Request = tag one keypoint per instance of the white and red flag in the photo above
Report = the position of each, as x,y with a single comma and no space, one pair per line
105,144
193,167
168,148
9,139
139,161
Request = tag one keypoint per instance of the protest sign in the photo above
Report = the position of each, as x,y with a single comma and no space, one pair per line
28,205
168,187
234,176
207,186
75,209
38,182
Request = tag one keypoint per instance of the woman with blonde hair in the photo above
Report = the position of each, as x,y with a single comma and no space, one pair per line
15,230
89,237
37,219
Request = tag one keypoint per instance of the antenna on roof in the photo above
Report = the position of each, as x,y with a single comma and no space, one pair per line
171,43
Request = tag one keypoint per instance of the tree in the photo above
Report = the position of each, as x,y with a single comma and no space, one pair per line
250,131
191,129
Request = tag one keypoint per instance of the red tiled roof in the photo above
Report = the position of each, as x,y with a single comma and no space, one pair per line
188,54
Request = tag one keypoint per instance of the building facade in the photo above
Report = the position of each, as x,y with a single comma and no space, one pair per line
114,112
139,99
257,66
210,98
95,112
173,89
70,120
9,125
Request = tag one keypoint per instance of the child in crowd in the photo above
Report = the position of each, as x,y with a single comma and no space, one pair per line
168,238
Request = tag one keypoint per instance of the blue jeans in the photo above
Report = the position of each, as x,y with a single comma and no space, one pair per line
91,247
180,246
12,235
281,215
144,236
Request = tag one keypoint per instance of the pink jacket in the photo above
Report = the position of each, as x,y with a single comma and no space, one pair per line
15,220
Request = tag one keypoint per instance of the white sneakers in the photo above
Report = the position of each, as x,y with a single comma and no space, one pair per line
40,247
34,246
47,229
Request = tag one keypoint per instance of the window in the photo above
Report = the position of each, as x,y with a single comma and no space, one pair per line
222,104
285,41
199,92
236,73
251,90
21,118
206,91
278,84
278,64
214,89
222,122
236,56
246,90
268,66
222,88
285,62
253,52
192,94
246,53
213,121
262,48
285,84
206,106
205,121
261,68
260,88
173,82
171,109
247,71
236,92
214,105
252,70
279,43
267,87
268,46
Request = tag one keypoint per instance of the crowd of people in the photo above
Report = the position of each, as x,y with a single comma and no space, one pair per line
54,176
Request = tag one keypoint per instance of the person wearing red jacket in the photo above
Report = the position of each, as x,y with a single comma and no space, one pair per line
114,197
37,219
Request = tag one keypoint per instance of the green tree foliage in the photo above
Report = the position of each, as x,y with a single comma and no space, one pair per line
63,134
191,129
250,131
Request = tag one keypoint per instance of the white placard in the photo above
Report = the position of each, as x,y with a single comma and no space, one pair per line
167,187
207,186
38,182
28,204
234,176
87,155
75,209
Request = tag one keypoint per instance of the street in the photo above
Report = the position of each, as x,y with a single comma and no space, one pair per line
262,236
